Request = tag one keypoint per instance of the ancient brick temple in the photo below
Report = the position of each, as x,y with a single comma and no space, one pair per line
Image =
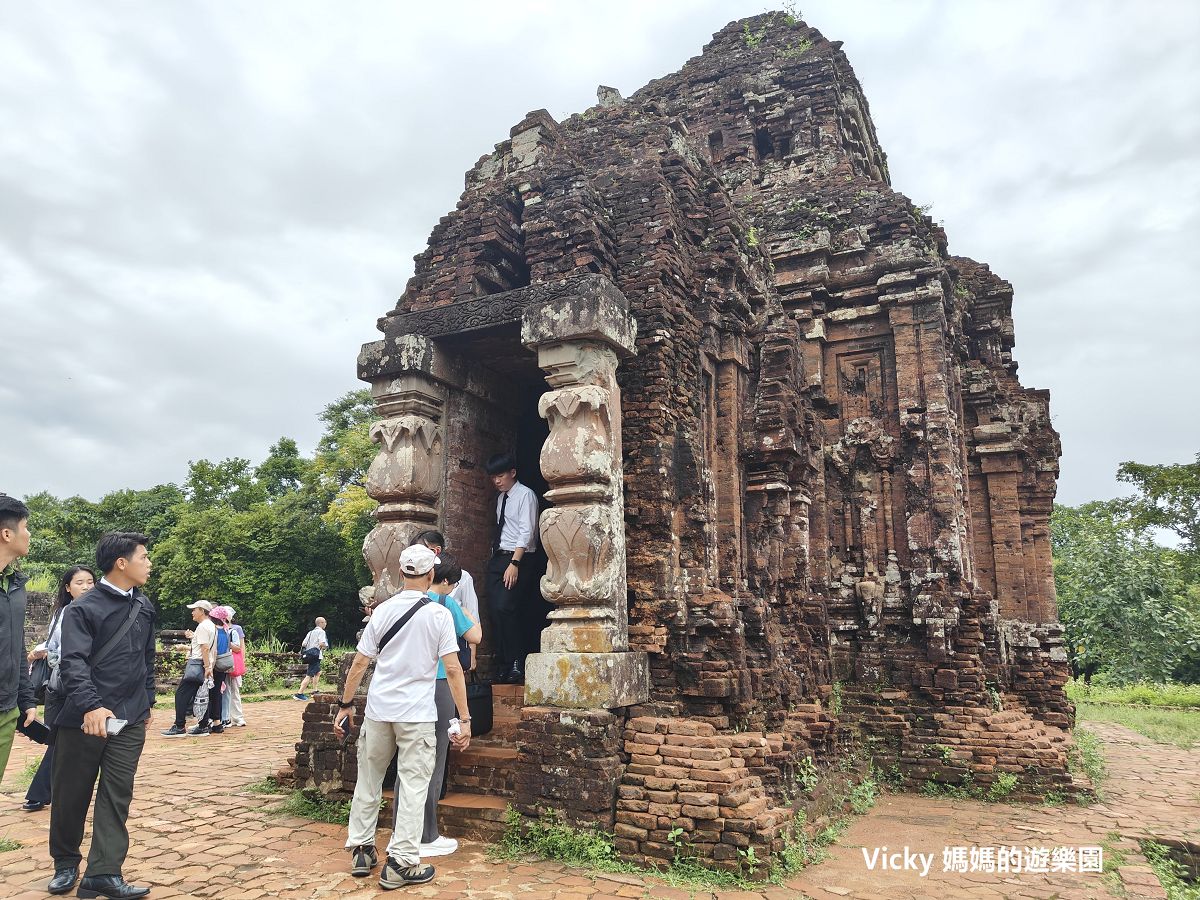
796,500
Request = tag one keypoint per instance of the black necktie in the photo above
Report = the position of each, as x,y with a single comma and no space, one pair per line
500,521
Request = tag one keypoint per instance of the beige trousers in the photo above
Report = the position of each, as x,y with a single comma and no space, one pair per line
416,744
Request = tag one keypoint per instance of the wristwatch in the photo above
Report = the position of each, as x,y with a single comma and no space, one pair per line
515,562
344,705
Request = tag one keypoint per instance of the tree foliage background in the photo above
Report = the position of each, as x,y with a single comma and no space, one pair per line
1131,605
281,542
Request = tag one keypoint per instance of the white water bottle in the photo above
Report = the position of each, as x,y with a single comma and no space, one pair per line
455,729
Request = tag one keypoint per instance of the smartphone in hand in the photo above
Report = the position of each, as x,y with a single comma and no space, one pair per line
36,731
113,726
344,724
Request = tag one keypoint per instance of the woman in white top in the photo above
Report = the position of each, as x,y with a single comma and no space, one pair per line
76,582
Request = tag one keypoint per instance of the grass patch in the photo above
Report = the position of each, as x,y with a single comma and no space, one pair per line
7,844
24,778
1171,875
268,785
313,805
1087,757
1168,695
1113,860
1164,726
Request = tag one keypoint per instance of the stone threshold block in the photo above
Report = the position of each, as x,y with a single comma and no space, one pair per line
587,680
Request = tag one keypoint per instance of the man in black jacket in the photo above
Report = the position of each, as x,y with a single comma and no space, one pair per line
104,684
16,691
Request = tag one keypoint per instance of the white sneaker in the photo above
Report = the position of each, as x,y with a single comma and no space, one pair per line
443,846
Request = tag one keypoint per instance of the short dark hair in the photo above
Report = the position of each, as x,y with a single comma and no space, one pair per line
427,538
118,545
12,511
500,463
447,570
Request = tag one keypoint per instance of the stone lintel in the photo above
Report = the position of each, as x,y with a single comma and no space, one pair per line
386,363
595,310
398,354
587,680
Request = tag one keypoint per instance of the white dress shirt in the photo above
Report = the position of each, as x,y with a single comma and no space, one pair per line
520,518
464,594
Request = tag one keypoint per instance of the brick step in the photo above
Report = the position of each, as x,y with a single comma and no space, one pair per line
486,767
479,817
507,700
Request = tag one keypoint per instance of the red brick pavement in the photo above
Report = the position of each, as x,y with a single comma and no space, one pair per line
228,845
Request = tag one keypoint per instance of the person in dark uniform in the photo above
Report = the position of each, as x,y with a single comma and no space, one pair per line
107,689
511,582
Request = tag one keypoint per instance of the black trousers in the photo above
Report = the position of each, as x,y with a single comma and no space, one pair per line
184,695
519,613
78,760
39,788
213,714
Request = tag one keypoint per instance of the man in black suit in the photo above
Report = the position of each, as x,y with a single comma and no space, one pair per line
107,672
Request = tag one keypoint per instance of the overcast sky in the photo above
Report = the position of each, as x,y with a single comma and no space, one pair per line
204,207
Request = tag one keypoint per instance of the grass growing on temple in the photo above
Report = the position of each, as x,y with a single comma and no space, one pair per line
7,844
548,837
313,805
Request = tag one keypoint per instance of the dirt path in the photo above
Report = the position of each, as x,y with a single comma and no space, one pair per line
234,849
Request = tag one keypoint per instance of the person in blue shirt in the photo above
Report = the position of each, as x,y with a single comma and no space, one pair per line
446,575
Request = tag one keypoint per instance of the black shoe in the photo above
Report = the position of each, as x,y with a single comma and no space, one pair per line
64,879
363,860
33,806
196,730
516,675
175,731
111,887
216,729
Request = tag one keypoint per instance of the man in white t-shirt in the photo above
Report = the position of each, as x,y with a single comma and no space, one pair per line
314,640
400,718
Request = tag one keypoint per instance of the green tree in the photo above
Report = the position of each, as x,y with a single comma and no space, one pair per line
283,470
277,564
229,482
1168,497
1123,598
345,450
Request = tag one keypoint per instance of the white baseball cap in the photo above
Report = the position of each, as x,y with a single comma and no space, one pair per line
201,604
417,560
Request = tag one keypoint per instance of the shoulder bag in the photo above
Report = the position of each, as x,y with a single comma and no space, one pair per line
224,660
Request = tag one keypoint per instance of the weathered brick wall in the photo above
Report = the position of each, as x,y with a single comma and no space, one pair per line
569,761
37,616
683,774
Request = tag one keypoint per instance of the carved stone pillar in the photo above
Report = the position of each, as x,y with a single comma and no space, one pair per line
406,477
585,660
